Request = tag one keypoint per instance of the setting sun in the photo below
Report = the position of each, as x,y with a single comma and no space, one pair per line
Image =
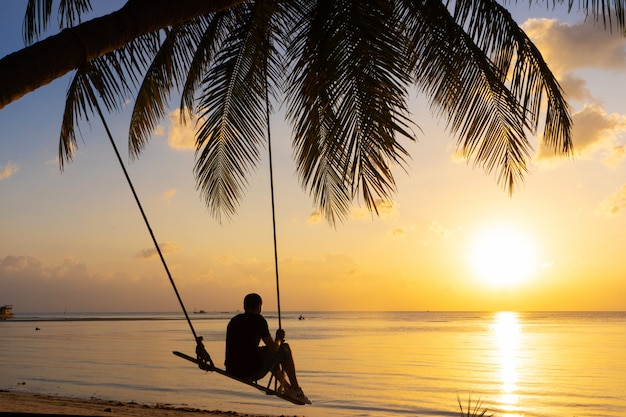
503,256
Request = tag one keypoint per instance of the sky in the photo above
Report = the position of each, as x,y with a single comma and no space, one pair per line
451,239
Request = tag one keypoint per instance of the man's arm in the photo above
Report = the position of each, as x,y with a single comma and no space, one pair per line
274,345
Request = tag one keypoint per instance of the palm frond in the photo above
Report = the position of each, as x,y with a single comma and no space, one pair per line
110,78
98,79
166,71
70,12
36,19
77,106
344,67
319,166
233,109
132,60
601,11
213,35
38,13
466,87
494,31
347,102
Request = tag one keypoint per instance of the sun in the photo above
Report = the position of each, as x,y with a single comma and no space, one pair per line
503,256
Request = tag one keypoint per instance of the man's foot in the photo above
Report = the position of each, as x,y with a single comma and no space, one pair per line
298,395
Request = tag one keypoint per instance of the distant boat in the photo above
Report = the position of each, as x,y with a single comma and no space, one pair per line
6,312
200,312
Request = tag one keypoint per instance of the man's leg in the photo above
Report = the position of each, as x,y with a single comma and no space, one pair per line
289,367
280,377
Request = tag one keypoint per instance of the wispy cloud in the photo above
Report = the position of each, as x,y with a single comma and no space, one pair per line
568,47
166,247
168,195
315,217
595,133
181,135
8,171
37,286
398,232
159,131
438,230
385,208
614,203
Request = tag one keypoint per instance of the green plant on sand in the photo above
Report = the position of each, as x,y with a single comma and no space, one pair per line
478,410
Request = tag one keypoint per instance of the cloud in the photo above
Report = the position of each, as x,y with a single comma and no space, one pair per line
8,171
23,267
168,195
575,87
182,136
159,130
13,264
385,209
166,247
614,203
438,230
315,217
398,232
32,286
594,131
568,47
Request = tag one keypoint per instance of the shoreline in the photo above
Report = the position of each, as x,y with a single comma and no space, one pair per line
33,404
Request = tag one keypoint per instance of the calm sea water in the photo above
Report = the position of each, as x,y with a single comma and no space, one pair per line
349,364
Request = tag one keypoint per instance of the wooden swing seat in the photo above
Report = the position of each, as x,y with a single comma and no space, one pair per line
209,367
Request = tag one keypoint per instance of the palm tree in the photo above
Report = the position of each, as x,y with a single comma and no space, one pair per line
344,69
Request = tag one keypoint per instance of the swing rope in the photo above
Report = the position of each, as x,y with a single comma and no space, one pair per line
198,341
145,219
269,149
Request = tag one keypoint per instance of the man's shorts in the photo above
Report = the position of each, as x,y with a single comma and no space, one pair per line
269,361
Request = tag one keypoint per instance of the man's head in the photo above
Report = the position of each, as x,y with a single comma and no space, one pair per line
252,303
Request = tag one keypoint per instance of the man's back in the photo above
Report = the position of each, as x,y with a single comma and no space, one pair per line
243,334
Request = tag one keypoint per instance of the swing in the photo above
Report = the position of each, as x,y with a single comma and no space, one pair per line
203,359
207,365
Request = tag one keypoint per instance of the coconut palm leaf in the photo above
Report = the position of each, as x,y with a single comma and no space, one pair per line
345,68
166,72
233,108
493,29
347,102
81,99
469,89
38,12
214,34
608,12
110,78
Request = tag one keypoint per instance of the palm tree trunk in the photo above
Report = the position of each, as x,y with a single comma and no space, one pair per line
39,64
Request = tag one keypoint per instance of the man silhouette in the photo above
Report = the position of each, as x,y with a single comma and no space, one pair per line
246,359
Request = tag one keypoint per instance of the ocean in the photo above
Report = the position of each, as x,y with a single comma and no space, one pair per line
565,364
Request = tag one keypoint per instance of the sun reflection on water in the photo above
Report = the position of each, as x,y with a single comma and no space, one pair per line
507,331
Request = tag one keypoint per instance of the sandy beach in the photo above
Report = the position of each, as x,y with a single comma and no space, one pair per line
28,404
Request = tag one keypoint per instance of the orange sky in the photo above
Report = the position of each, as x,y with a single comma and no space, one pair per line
75,240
